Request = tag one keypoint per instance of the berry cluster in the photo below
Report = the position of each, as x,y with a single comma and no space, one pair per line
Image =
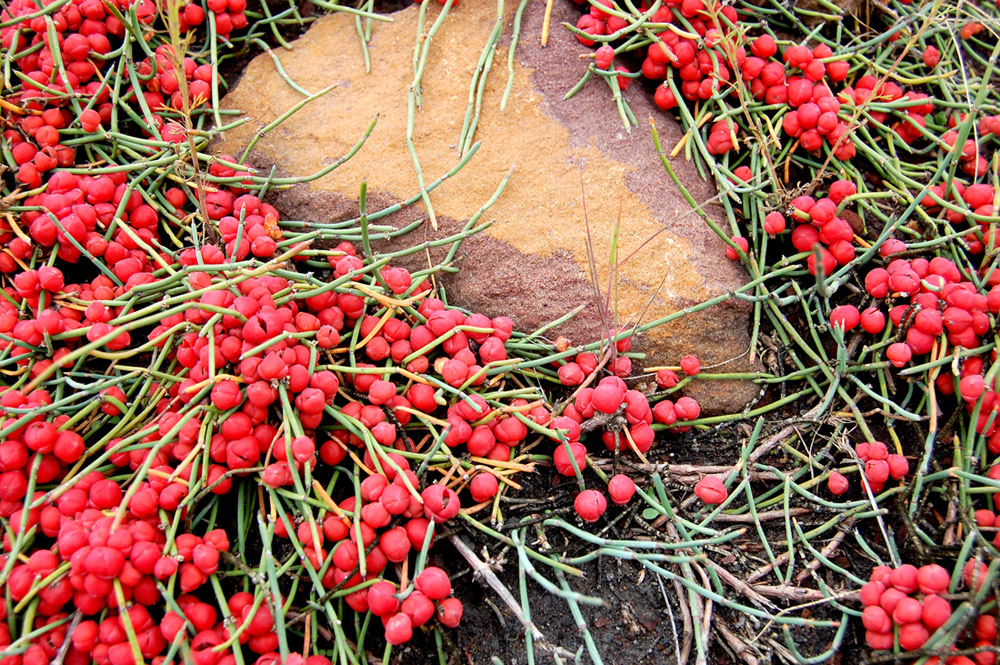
818,227
906,601
938,301
880,465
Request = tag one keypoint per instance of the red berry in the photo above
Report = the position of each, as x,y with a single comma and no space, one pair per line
666,378
562,461
898,354
691,365
571,374
904,578
440,503
763,47
871,593
399,629
590,505
687,408
604,56
936,611
418,607
621,488
90,120
433,583
774,223
876,619
872,321
931,57
898,466
711,490
395,544
382,600
740,242
845,316
971,387
907,610
449,612
606,398
913,635
226,395
986,627
483,487
837,483
933,579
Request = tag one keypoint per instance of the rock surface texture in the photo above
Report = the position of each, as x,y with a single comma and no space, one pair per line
532,263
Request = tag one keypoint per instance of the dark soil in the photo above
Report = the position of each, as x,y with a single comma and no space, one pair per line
632,627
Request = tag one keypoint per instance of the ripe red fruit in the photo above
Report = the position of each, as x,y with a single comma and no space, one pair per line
590,505
763,47
907,610
440,503
774,223
607,397
395,544
872,321
90,120
664,98
382,600
206,558
483,487
345,556
51,279
871,593
898,354
604,56
986,627
740,242
904,578
666,378
931,57
936,611
687,408
562,461
40,436
418,607
433,583
381,392
879,641
898,466
933,579
621,488
974,574
877,471
571,374
399,629
841,189
691,365
876,619
109,407
971,387
395,499
837,483
226,395
913,635
104,562
845,316
711,490
449,612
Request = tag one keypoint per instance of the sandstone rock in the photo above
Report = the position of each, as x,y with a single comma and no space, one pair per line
532,263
